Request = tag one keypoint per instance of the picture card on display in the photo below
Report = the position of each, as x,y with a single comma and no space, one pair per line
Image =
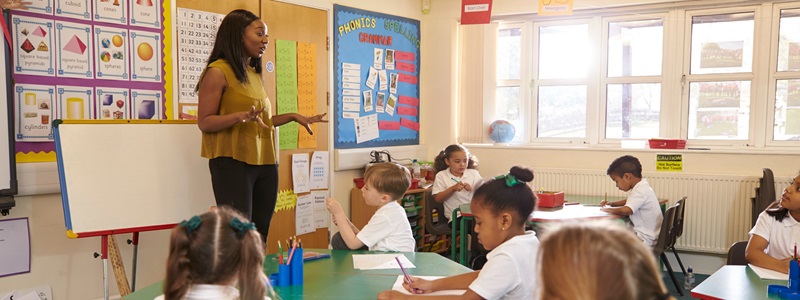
111,53
75,102
146,60
33,46
146,104
73,44
34,112
76,9
112,103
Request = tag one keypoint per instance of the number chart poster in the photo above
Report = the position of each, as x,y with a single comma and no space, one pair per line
84,60
376,86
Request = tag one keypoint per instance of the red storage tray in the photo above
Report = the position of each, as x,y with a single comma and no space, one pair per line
550,199
667,144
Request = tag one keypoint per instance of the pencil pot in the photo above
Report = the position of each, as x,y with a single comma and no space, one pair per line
296,266
284,275
794,270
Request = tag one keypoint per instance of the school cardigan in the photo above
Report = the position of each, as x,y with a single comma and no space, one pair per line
247,142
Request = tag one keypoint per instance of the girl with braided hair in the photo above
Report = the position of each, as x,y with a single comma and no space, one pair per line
217,255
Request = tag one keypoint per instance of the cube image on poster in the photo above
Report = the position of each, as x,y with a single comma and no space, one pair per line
147,110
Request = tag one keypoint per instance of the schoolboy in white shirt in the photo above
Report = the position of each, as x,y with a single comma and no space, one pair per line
388,229
641,205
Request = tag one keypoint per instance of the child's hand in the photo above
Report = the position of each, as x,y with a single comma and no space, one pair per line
333,206
391,295
458,187
603,203
418,286
467,187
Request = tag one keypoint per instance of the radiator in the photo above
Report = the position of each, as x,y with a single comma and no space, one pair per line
717,206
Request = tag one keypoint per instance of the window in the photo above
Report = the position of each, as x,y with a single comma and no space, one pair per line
727,76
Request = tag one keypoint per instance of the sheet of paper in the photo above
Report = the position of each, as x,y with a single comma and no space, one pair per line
378,58
366,128
286,200
304,215
286,87
368,101
384,80
42,292
380,261
319,170
15,246
307,91
398,286
300,180
768,274
372,77
320,211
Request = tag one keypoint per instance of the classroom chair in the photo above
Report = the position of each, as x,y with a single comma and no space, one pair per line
765,194
665,238
439,228
678,230
736,254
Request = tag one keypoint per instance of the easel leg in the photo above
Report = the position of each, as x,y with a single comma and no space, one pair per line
135,242
104,256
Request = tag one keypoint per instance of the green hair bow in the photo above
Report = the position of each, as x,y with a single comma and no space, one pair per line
241,227
191,225
511,180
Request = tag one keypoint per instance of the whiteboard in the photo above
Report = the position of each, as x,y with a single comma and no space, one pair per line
136,174
5,122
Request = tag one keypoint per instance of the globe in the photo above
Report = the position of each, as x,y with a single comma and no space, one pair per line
502,131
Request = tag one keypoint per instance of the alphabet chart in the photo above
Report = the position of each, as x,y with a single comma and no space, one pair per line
196,32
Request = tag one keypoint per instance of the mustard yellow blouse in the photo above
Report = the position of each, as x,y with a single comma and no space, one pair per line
247,142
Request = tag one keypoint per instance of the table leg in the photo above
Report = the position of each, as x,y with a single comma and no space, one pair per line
453,236
463,227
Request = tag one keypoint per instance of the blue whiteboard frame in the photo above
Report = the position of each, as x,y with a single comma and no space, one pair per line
405,37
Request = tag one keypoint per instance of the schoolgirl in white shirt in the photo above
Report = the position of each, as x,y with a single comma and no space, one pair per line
777,231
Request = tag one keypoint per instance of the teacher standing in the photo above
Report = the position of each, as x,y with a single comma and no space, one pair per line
236,119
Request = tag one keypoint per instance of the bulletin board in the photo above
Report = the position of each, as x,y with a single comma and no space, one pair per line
86,60
376,79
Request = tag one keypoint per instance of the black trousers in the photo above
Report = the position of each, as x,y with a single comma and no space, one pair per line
338,243
250,189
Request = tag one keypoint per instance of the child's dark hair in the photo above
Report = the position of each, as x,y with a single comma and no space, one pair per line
439,164
509,193
389,178
216,248
625,164
777,211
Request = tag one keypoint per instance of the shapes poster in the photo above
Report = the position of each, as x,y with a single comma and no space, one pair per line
111,53
376,71
34,112
74,102
111,11
73,42
76,9
33,46
146,13
112,103
145,61
146,105
41,6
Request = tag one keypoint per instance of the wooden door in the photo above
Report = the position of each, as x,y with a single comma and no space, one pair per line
308,25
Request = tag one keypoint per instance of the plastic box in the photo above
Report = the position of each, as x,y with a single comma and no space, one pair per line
667,144
550,199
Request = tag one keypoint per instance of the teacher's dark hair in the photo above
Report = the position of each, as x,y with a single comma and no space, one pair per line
229,44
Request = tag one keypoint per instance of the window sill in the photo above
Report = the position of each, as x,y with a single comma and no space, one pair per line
606,148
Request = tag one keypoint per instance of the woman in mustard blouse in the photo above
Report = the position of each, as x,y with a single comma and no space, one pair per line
236,119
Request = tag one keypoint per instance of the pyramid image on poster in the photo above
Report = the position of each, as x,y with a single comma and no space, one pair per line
43,47
75,45
39,32
27,46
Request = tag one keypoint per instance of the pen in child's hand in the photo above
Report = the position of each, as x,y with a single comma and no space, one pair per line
454,179
408,278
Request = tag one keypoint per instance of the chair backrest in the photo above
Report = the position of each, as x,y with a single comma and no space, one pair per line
439,227
736,253
667,233
765,194
679,217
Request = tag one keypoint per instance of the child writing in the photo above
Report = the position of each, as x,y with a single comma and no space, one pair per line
211,254
578,259
641,205
388,229
501,208
456,178
773,239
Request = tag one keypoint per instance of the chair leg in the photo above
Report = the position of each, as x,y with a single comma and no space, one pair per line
671,274
679,260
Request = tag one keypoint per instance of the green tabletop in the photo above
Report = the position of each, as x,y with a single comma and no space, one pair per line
735,282
335,278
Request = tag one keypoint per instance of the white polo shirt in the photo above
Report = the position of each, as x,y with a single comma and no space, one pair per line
510,270
210,291
646,217
781,236
388,230
445,179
